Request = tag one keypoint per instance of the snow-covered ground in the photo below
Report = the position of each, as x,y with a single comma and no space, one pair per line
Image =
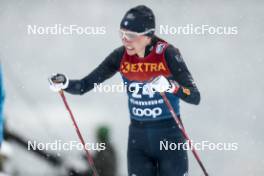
228,70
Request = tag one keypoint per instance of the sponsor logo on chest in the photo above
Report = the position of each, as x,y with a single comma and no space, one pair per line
127,67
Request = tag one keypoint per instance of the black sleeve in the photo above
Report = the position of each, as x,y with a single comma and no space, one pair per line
104,71
188,90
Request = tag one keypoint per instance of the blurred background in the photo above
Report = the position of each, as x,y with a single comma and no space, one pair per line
228,70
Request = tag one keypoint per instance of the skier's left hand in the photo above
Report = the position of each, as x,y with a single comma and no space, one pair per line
162,84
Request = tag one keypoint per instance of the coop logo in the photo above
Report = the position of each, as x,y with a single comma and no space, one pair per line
147,112
142,67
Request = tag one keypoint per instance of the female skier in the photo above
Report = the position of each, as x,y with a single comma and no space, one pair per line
148,65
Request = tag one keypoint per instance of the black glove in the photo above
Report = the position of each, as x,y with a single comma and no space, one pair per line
58,82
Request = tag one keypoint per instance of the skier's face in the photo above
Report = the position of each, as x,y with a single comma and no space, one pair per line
134,43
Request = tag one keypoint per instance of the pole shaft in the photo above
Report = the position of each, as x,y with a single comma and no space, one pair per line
88,155
179,123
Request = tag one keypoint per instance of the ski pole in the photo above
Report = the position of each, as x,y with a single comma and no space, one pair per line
180,125
88,155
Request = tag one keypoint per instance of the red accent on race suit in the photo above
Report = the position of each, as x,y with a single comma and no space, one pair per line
147,68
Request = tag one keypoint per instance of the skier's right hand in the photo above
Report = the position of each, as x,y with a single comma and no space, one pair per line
58,82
